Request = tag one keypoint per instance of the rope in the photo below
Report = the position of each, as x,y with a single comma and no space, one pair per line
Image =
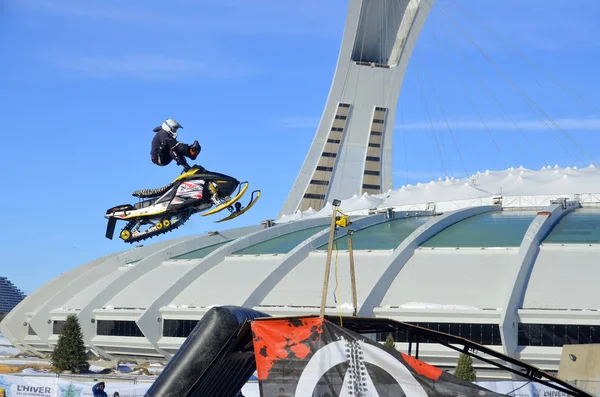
337,298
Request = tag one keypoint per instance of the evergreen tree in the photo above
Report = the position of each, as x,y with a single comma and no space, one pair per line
69,353
389,342
464,368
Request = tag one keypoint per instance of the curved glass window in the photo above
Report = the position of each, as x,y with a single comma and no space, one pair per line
581,226
281,244
201,252
491,229
383,236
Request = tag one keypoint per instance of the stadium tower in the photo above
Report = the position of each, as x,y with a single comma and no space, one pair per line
352,149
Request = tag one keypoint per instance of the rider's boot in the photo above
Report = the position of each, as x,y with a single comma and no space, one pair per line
193,150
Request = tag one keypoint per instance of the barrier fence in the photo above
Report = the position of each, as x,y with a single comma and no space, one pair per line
57,386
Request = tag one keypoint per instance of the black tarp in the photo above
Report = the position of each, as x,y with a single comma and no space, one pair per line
215,360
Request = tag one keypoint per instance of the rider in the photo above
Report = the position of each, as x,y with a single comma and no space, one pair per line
166,148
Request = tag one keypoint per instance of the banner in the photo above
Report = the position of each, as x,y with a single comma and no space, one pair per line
310,357
34,386
522,389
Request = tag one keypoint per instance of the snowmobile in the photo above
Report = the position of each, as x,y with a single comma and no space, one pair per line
162,210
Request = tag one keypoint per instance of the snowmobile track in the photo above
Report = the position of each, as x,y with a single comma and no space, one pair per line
155,232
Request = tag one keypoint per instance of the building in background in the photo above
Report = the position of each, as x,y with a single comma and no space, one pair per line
10,296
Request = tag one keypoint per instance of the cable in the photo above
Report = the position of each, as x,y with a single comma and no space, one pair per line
463,85
431,123
489,91
445,118
507,43
518,88
404,140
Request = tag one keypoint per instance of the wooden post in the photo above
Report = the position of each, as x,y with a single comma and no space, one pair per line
328,262
352,274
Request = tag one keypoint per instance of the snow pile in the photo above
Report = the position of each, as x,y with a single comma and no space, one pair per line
96,368
11,361
6,348
155,369
31,371
4,341
9,351
346,306
435,306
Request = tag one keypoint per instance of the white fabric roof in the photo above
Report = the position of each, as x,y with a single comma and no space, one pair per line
513,182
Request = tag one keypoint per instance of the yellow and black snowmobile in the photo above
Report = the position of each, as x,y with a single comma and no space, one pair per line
164,209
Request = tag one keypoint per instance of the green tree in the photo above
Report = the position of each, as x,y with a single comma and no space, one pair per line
69,353
464,368
389,342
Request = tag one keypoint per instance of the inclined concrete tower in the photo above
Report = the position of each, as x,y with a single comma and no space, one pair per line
351,152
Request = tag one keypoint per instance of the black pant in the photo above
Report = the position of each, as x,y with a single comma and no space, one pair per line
165,156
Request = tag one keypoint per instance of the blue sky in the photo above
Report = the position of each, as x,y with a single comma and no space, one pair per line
84,83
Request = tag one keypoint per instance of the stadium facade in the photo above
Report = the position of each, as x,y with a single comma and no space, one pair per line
10,295
505,258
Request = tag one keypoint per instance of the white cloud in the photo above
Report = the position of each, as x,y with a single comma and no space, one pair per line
587,123
233,17
417,176
299,122
90,9
148,67
566,123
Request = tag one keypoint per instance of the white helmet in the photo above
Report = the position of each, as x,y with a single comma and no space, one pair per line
171,127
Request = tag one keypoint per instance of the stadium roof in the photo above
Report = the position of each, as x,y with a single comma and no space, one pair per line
502,270
519,187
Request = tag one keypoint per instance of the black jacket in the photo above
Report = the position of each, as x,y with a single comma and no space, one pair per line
161,144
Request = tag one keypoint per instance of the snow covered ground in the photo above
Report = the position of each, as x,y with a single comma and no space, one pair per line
19,361
4,341
126,369
8,351
6,348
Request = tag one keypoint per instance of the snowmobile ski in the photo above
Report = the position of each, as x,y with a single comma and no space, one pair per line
239,210
229,202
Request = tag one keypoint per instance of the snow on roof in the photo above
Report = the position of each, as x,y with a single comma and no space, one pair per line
520,182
